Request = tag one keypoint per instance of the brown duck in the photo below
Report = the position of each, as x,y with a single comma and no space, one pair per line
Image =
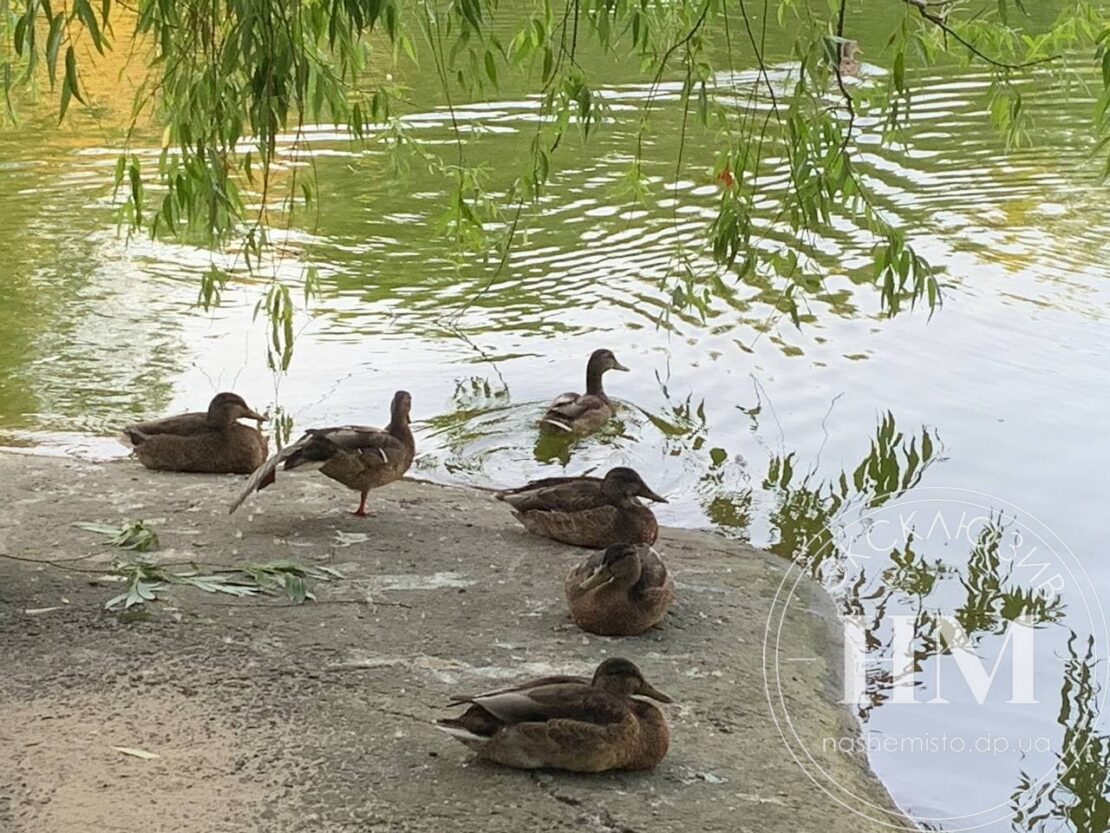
584,413
568,723
359,457
209,441
587,511
621,591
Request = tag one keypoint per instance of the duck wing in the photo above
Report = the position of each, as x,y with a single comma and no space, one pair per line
375,446
557,494
540,484
570,407
317,445
653,572
265,474
536,682
182,425
554,701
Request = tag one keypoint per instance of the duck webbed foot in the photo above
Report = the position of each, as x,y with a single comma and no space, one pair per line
361,511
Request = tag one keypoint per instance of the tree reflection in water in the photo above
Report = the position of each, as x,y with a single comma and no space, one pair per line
1076,798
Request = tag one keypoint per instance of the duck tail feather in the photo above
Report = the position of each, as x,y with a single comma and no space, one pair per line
132,437
554,423
456,730
266,474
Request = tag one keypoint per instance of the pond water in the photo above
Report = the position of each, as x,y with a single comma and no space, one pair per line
764,431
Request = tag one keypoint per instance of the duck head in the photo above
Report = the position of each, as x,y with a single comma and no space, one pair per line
620,565
602,360
226,408
399,410
622,677
621,484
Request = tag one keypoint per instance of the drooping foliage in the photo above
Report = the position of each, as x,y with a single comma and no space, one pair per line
232,84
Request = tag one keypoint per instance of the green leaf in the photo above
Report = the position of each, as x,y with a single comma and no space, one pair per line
53,44
88,17
136,191
491,67
71,74
64,105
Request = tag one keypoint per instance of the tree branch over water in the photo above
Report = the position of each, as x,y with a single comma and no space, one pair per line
941,21
228,82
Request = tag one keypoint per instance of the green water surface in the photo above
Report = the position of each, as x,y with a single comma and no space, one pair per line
766,432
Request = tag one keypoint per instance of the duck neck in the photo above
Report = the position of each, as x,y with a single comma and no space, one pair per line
218,419
594,372
625,581
635,523
399,428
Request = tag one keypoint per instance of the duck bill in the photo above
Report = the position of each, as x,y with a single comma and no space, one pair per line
600,576
254,415
647,690
618,366
650,495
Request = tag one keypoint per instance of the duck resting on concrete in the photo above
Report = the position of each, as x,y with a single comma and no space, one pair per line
620,591
569,723
359,457
211,441
584,413
593,512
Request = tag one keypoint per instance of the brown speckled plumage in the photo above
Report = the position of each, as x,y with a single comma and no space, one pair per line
568,723
587,511
621,591
584,413
359,457
209,441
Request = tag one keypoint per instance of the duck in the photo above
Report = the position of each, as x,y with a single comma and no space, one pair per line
210,442
621,591
584,413
847,52
587,511
569,723
359,457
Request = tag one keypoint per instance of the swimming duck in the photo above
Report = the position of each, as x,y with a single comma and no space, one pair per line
587,511
849,64
211,441
621,591
568,723
359,457
841,53
577,413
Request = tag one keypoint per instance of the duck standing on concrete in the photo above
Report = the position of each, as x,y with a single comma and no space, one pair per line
211,441
359,457
584,413
568,723
621,591
587,511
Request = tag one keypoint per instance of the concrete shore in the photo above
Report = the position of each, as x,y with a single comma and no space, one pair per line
270,716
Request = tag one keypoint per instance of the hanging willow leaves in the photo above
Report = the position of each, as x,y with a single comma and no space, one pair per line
232,84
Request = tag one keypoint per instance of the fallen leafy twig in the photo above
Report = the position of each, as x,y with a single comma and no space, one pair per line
135,535
288,577
145,580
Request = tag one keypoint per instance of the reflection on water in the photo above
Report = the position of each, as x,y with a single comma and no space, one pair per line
954,604
775,435
1077,797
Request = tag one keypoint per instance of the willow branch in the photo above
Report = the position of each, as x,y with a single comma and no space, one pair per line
848,100
941,22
